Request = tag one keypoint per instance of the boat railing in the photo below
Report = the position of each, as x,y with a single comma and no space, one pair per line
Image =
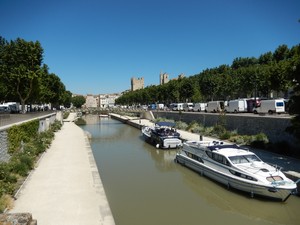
275,166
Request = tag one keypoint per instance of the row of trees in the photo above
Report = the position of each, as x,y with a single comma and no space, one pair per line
271,72
245,77
25,78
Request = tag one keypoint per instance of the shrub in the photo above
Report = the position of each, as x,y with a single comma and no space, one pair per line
181,125
219,129
66,115
259,140
6,202
194,127
21,133
80,121
55,126
160,119
5,173
225,135
239,139
6,188
21,169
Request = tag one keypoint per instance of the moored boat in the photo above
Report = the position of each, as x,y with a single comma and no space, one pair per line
162,135
236,168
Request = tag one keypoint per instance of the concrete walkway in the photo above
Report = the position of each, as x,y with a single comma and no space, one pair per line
66,188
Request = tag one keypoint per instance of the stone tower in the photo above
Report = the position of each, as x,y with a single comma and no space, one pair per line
137,83
163,78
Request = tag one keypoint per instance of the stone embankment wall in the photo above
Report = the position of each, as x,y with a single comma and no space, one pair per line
274,127
44,121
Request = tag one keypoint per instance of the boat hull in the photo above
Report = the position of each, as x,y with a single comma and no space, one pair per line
255,189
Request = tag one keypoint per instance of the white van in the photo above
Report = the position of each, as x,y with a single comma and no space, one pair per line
215,106
10,107
198,107
237,105
188,106
160,106
177,107
270,106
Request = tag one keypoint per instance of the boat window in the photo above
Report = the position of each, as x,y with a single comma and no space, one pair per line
218,157
244,159
226,162
252,158
242,175
209,153
274,178
190,155
238,159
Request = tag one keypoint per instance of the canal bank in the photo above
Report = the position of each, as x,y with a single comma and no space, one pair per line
145,186
65,187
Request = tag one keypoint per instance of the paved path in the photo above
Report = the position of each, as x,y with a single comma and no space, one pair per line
66,188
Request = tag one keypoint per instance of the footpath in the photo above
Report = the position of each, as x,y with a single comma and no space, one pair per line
65,188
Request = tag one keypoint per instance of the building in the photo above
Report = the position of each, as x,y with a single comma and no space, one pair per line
163,78
92,101
137,83
100,101
108,100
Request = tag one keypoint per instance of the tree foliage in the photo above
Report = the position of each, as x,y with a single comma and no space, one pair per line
78,101
23,76
245,77
295,99
272,72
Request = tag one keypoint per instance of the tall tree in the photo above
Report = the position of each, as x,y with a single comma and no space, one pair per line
3,87
281,53
21,68
295,99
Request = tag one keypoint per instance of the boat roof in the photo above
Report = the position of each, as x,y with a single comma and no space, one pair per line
230,150
225,149
166,124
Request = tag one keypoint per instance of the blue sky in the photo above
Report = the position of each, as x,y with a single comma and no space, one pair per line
96,46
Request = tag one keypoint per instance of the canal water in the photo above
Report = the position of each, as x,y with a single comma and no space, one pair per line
145,186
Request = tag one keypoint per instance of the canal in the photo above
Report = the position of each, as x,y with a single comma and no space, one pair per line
145,186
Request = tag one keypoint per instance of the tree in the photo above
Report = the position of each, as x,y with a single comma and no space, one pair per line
281,53
295,99
3,87
78,101
66,98
21,68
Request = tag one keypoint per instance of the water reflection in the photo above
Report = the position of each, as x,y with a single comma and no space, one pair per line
145,186
236,202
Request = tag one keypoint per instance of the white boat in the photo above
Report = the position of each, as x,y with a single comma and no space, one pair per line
162,135
236,168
